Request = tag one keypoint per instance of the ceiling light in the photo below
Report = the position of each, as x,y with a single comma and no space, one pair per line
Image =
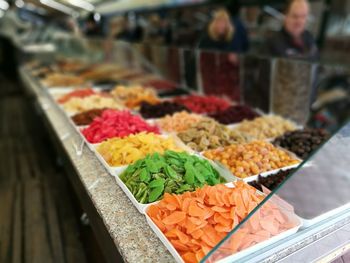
19,3
97,17
82,4
4,5
58,6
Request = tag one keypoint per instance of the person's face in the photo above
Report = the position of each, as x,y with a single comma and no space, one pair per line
221,26
90,25
296,18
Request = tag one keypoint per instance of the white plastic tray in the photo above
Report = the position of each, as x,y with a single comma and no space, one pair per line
268,173
140,207
109,167
268,242
239,254
116,171
264,174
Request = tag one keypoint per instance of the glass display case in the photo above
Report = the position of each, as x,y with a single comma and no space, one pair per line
313,201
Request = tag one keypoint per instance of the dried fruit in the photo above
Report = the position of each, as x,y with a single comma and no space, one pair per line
234,114
195,222
113,123
133,96
76,105
302,142
86,117
266,127
127,150
252,158
203,104
160,110
208,134
174,172
178,122
79,93
62,80
272,181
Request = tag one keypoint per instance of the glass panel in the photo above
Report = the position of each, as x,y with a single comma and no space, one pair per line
316,191
292,84
219,74
256,82
272,221
323,185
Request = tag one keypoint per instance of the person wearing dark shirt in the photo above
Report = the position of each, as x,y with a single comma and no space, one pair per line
294,41
225,34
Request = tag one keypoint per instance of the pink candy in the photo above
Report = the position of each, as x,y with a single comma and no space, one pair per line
113,123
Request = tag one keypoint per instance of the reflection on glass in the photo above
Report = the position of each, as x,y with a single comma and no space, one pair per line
273,221
317,190
219,74
323,185
256,82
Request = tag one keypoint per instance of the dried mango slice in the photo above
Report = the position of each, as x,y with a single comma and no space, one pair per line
194,233
127,150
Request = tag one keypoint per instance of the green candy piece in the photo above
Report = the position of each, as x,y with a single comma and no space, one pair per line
171,172
144,175
155,193
156,183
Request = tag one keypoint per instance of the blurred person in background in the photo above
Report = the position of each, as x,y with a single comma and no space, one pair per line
125,30
293,40
224,34
92,27
11,28
135,29
154,33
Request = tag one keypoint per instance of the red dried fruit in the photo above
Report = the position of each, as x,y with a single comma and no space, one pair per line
113,123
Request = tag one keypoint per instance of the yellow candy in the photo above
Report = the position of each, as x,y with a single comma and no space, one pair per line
128,150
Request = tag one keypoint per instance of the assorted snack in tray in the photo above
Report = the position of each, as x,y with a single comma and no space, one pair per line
71,65
272,181
150,111
302,142
179,121
79,93
234,114
62,80
86,117
133,96
266,127
252,158
150,178
196,210
113,123
127,150
203,104
100,72
209,134
195,222
98,101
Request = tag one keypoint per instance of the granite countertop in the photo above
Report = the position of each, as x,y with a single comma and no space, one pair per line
133,238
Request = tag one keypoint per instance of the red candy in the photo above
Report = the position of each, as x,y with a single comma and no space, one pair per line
113,123
80,93
203,104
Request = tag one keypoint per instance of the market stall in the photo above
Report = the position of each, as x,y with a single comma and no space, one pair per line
167,178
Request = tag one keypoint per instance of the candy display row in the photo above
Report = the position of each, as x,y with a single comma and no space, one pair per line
149,177
201,135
